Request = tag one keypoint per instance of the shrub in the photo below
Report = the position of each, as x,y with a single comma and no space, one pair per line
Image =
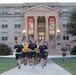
4,49
73,52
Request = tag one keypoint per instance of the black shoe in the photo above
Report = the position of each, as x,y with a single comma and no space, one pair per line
17,64
19,67
44,64
30,64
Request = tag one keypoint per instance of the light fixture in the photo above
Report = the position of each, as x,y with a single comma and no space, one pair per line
58,31
24,31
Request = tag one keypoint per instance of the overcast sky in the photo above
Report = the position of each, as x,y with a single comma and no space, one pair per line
30,1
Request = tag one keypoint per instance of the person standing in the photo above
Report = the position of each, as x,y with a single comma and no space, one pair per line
18,47
32,46
64,54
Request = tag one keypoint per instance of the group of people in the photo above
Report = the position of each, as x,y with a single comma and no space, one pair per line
31,53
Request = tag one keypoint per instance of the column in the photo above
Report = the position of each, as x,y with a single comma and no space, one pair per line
35,28
56,27
26,26
57,40
47,28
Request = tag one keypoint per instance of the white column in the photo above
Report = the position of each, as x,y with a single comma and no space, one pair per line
46,28
26,26
35,28
57,25
58,40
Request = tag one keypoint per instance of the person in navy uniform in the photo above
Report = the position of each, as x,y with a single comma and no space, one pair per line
43,53
32,46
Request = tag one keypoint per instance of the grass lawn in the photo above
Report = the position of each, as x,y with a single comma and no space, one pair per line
69,65
6,64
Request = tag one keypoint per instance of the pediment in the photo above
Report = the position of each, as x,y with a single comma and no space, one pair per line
41,8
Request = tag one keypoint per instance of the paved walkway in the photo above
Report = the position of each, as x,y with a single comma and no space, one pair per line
50,69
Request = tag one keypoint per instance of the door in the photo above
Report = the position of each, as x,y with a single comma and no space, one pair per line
41,37
41,28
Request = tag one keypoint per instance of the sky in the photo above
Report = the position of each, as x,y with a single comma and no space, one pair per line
31,1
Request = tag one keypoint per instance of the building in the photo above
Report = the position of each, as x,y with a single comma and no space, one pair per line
41,21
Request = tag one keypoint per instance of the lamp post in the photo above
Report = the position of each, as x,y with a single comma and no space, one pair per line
24,35
58,31
58,34
58,40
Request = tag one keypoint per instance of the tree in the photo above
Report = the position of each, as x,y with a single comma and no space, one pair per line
73,52
71,28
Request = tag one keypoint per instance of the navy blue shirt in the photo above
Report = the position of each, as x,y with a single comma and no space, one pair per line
19,48
32,46
42,48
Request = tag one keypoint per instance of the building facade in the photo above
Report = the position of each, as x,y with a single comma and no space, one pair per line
41,21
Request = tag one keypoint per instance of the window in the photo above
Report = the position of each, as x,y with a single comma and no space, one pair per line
17,11
65,11
65,36
4,36
58,43
64,23
4,24
16,35
17,24
5,12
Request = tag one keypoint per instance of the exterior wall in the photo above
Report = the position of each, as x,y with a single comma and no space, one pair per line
11,28
11,17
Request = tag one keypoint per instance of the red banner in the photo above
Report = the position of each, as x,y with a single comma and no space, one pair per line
51,19
30,25
51,23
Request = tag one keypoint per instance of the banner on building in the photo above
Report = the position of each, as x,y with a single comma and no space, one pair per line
31,25
51,23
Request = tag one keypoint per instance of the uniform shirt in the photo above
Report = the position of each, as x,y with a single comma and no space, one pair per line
37,49
32,46
42,48
25,48
19,48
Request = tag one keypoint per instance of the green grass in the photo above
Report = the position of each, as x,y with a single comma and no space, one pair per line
6,64
69,65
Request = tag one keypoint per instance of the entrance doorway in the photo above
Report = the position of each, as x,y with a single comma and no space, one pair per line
41,37
41,28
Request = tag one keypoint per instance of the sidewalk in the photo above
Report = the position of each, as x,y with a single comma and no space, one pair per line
50,69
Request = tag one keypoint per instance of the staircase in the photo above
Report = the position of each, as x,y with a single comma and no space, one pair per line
54,51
